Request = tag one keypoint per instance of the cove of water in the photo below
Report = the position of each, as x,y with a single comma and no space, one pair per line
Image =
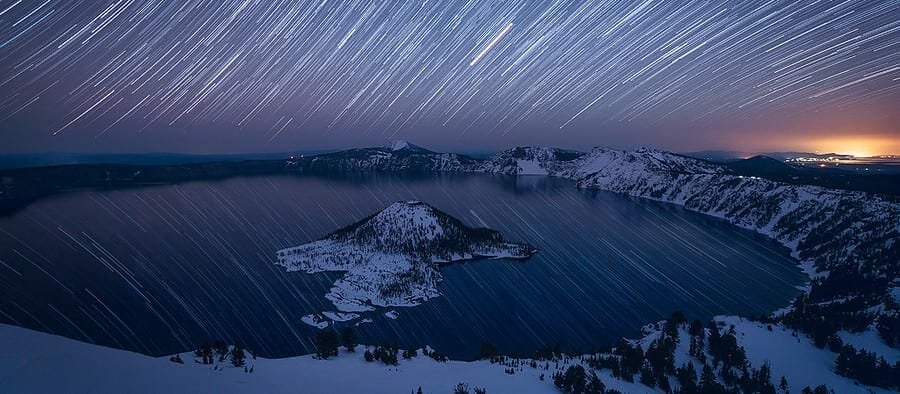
162,269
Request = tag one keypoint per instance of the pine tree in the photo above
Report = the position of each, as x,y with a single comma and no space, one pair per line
348,337
783,386
326,343
487,350
237,356
594,385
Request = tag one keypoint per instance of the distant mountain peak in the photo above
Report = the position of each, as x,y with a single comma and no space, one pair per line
399,144
404,226
404,145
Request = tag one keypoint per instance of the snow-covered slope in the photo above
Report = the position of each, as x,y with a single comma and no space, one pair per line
400,157
786,353
847,240
391,258
792,356
532,161
34,362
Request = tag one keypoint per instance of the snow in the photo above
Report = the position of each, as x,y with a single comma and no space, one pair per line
871,341
530,167
340,316
794,357
382,258
315,320
399,145
34,362
392,314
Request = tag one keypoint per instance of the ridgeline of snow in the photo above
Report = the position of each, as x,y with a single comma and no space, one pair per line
35,362
390,258
399,156
530,161
824,228
399,145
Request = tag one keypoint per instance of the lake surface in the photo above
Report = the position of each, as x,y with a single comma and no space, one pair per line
162,269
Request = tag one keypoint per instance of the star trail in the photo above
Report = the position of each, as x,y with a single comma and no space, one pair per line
297,71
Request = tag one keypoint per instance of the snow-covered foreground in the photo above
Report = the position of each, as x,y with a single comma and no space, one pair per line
36,362
794,356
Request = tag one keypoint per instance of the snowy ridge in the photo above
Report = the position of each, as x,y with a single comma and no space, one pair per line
825,228
40,362
399,157
390,258
36,362
531,161
788,355
854,233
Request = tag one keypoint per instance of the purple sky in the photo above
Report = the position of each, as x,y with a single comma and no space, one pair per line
238,76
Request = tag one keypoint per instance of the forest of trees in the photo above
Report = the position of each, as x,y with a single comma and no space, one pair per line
717,365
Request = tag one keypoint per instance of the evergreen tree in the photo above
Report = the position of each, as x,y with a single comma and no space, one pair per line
205,352
687,378
487,351
348,337
574,380
783,386
594,384
326,343
708,383
237,356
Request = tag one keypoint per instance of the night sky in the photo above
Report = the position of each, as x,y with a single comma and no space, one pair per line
216,76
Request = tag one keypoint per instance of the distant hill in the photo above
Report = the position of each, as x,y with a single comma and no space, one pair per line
58,159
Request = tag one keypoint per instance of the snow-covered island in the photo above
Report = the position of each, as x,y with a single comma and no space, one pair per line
391,258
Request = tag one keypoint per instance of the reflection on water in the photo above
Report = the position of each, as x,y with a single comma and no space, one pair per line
161,269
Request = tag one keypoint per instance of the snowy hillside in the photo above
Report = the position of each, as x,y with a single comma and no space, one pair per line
531,161
391,258
36,362
846,240
400,156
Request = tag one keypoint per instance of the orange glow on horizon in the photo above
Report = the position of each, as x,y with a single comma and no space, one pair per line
856,145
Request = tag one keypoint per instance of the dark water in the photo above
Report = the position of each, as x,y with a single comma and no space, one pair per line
160,269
